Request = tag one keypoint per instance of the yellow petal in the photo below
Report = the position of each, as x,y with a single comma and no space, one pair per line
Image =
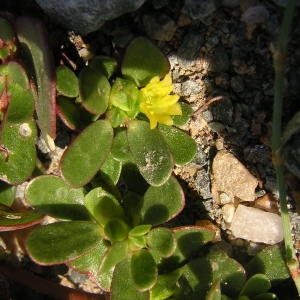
157,103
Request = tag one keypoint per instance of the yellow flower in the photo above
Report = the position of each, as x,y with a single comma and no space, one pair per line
157,103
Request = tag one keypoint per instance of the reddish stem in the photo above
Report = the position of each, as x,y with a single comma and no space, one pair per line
46,287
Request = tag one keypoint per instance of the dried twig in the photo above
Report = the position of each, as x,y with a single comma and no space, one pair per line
205,106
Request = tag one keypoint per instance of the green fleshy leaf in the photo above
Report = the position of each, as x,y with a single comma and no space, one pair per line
116,230
32,37
161,241
7,193
104,64
270,262
16,74
21,105
66,82
150,152
142,61
116,116
162,203
214,292
112,168
224,297
266,296
133,179
120,149
199,274
230,273
10,220
101,179
126,96
143,270
116,253
73,116
190,239
54,197
62,241
7,32
7,36
137,242
165,285
103,206
94,90
123,285
137,237
255,285
88,152
182,146
90,262
187,111
140,230
132,203
17,161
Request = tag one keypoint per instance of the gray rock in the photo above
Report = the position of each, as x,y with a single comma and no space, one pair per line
207,116
159,26
199,9
222,80
85,16
222,111
255,15
188,49
237,83
202,183
190,87
201,158
219,61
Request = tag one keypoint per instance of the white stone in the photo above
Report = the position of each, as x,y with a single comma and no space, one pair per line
228,212
224,199
256,225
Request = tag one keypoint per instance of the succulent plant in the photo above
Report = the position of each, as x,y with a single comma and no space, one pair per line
127,123
104,233
141,94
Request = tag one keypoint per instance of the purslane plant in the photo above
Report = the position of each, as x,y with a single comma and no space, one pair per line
115,190
140,107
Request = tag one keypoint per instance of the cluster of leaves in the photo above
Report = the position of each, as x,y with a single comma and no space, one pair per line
115,235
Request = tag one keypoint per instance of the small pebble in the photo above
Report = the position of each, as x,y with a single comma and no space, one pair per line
159,26
230,176
267,202
228,212
237,84
224,199
255,15
256,225
190,87
202,183
199,10
219,60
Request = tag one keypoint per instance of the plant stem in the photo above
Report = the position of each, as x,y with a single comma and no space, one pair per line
279,58
46,287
